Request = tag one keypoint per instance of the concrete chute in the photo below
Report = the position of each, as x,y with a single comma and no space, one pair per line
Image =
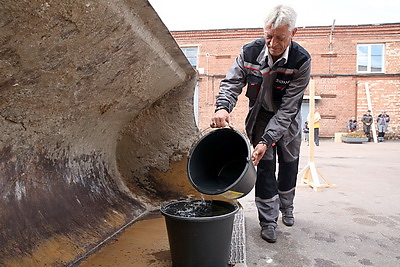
96,119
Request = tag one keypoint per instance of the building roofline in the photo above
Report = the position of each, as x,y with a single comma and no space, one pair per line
308,31
300,27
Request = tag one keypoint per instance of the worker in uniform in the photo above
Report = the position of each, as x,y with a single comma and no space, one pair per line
276,71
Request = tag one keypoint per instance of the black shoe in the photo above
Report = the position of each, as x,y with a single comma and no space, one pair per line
288,218
268,233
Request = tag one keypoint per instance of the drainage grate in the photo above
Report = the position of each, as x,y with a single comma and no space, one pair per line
238,243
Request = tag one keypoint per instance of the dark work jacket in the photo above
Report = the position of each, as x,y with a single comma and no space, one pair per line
278,89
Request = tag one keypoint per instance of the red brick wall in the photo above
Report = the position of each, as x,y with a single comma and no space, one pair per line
385,95
340,88
337,104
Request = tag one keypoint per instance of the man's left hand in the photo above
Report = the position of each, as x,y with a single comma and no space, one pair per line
258,153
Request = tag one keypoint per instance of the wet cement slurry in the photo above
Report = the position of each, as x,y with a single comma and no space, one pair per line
355,224
144,244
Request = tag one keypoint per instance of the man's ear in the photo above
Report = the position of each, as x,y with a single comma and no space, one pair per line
294,31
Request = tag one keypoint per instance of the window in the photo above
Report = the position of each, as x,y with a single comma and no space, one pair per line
191,54
370,58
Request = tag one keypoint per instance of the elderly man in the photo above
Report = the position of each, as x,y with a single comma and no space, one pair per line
276,71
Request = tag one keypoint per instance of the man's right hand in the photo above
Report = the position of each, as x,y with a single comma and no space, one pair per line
220,119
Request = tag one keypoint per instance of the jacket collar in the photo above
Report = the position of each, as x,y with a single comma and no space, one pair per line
264,55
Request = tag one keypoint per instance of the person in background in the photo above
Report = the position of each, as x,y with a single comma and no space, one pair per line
352,125
277,71
367,122
317,118
382,122
306,132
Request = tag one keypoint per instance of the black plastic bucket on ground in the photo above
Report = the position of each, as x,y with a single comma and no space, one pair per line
220,164
201,238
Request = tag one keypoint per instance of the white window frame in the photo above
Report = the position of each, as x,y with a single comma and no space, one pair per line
369,58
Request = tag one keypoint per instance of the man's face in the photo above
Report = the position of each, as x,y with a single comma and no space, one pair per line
278,39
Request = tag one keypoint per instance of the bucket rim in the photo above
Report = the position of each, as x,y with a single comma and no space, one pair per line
200,219
246,168
220,130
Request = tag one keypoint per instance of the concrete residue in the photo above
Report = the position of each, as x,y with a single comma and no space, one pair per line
93,118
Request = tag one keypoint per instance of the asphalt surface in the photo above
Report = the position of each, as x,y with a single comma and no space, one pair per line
357,223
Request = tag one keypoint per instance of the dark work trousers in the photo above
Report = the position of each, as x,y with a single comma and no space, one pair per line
316,136
367,131
274,194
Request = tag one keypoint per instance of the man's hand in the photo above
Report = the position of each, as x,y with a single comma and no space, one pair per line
220,119
258,153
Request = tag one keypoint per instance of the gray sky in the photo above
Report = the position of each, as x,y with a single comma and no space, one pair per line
225,14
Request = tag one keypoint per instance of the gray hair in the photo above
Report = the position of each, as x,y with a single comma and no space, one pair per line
280,16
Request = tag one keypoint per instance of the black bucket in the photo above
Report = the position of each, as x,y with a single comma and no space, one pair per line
199,235
220,164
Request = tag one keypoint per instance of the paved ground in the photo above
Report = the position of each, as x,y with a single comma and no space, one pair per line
355,224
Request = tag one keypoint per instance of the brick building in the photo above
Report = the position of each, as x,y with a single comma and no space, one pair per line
346,60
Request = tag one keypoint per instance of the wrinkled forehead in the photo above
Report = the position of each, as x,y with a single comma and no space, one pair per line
270,27
281,31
